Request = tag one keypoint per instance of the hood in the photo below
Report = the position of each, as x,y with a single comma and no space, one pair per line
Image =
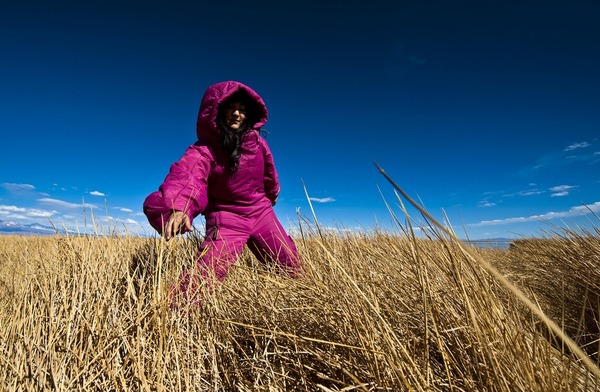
215,95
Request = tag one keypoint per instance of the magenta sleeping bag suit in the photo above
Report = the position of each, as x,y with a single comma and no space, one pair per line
237,205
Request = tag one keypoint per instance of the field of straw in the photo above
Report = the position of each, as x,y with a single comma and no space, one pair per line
374,312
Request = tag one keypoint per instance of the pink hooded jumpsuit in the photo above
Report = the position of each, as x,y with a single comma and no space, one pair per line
237,205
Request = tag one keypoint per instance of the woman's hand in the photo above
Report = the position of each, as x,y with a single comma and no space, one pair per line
176,224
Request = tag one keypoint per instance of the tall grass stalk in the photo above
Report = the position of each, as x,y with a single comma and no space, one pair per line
505,282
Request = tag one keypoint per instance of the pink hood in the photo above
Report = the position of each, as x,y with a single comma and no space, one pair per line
206,126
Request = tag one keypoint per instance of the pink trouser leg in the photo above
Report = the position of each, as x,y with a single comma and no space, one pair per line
226,235
270,244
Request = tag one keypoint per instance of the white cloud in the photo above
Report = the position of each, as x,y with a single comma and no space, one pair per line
65,204
568,156
12,209
14,212
17,216
322,199
575,146
12,187
97,193
530,192
122,209
486,204
572,212
561,190
34,213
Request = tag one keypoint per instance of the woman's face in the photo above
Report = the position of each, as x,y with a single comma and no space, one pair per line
235,115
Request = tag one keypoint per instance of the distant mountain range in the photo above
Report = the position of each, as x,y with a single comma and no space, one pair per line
14,228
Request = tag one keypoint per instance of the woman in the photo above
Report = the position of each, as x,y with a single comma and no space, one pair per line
229,176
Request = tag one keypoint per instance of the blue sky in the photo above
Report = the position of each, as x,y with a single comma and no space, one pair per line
486,111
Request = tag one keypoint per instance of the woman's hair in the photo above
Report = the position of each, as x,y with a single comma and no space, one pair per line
231,141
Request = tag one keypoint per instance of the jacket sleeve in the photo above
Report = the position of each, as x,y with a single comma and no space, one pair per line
272,186
184,188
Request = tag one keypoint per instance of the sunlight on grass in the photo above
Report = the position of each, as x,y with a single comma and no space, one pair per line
374,311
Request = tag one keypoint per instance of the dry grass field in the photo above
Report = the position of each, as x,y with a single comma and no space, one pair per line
375,312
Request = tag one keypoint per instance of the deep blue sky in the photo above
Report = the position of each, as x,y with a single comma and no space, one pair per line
488,111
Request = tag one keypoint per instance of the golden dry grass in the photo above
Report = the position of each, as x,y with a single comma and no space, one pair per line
374,312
